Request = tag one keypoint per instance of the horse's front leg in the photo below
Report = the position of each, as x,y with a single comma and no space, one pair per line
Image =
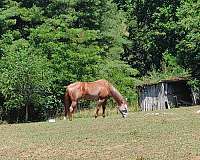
99,103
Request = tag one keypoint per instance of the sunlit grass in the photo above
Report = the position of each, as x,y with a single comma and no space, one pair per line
164,135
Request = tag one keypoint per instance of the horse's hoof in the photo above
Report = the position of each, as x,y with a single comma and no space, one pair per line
95,116
103,116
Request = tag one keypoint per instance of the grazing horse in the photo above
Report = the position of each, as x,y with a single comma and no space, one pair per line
99,90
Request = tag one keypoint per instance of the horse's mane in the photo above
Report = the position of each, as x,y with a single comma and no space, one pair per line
116,95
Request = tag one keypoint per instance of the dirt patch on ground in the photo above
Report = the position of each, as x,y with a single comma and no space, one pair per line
196,158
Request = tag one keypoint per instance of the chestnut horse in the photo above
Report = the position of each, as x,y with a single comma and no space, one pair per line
99,90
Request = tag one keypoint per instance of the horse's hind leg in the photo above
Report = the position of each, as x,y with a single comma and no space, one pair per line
104,108
72,109
67,103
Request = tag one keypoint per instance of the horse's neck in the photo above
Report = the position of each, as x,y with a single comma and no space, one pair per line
116,95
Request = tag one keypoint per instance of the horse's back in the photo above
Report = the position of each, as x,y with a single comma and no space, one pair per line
72,84
99,87
93,90
102,81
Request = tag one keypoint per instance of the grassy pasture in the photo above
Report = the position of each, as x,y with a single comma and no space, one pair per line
161,135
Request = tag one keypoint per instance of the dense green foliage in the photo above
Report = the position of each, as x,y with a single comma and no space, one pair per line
46,44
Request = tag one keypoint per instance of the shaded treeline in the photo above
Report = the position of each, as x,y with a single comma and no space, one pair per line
47,44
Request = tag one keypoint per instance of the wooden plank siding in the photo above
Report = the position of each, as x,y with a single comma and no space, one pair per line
152,97
165,95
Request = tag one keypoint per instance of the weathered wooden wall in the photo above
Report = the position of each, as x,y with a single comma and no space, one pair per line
152,97
165,95
196,97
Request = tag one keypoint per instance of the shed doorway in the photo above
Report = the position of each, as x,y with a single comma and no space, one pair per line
179,93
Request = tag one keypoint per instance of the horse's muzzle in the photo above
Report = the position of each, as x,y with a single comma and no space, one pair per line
124,113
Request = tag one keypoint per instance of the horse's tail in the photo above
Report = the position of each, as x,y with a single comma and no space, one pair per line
67,103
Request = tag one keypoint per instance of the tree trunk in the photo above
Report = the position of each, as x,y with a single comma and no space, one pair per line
26,117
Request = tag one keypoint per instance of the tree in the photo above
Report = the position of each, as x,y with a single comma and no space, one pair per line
85,40
151,32
25,77
188,48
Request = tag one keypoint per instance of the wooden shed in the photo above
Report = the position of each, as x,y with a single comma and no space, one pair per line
165,95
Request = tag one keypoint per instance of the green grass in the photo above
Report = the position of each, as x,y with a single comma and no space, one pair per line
170,135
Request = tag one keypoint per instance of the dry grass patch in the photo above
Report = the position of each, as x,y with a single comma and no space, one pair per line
162,135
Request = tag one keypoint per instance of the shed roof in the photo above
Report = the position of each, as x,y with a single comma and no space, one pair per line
172,79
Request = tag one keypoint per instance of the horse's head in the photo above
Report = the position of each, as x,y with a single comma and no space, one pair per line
123,109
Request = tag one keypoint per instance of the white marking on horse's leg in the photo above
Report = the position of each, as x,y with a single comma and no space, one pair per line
64,118
97,108
71,109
